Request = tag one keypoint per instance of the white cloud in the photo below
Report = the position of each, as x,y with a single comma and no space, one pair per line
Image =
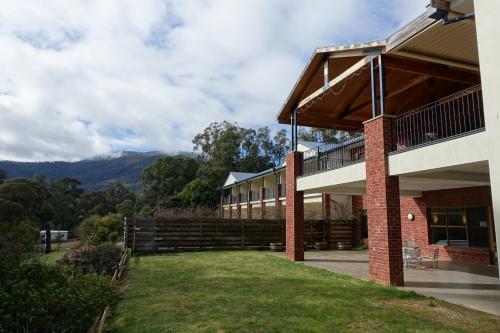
82,78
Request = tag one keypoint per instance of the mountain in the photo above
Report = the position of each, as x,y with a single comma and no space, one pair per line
94,173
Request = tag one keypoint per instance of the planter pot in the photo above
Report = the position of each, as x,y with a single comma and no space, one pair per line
344,245
320,245
276,247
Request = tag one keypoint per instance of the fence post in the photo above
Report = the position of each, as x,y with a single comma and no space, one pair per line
133,241
242,233
125,233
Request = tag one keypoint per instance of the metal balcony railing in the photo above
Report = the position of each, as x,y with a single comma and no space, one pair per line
453,116
349,150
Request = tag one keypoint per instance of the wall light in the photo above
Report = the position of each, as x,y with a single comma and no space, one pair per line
411,217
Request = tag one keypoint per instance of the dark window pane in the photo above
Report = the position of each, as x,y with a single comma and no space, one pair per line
477,220
477,217
438,235
458,236
456,217
438,216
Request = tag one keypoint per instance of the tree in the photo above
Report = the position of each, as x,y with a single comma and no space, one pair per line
93,203
281,147
3,176
321,134
116,193
199,192
64,200
34,197
167,177
18,235
126,208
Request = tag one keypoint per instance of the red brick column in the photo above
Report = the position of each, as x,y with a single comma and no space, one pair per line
294,208
238,206
357,205
230,213
277,202
249,205
262,203
326,206
384,219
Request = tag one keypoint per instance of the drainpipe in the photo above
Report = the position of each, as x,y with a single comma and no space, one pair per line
443,14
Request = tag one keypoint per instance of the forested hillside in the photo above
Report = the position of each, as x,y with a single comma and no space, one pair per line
94,174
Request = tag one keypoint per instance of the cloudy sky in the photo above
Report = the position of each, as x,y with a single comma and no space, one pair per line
86,78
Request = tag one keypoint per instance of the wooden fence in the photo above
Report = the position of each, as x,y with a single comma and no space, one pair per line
164,235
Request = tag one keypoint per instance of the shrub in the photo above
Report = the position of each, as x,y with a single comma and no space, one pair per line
96,230
101,259
41,298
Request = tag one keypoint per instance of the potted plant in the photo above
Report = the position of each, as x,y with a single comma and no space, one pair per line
344,245
320,245
276,247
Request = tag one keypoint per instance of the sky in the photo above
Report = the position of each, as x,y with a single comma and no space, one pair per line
80,79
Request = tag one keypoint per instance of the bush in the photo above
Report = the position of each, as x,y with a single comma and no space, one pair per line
95,230
101,259
41,298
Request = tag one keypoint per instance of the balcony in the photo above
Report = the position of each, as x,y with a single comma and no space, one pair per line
270,193
347,151
255,196
451,117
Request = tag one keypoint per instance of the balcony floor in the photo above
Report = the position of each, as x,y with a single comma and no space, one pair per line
470,285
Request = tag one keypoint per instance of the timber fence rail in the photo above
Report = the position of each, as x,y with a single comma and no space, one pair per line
100,321
187,234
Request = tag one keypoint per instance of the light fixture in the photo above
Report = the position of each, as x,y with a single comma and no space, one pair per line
411,217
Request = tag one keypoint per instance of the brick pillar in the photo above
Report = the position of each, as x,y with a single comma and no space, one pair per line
277,202
230,213
326,206
262,203
249,205
384,219
294,208
238,206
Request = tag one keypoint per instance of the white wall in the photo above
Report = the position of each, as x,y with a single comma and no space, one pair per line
488,37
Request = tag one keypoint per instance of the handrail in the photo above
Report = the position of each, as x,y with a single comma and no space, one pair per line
455,115
333,155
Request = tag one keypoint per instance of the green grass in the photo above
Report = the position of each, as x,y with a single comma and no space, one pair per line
243,291
58,250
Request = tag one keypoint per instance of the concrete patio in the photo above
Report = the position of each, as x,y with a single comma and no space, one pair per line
470,285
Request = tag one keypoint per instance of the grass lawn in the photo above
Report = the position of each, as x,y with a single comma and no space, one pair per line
58,250
245,291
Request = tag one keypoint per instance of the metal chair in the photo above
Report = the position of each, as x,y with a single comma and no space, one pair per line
410,253
434,258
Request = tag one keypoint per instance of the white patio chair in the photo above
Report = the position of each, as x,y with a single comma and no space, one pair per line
434,258
410,254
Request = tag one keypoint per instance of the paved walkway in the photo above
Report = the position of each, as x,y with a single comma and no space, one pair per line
471,285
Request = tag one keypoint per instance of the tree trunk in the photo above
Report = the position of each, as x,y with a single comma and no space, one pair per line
48,238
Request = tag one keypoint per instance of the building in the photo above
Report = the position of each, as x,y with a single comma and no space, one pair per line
55,235
424,168
262,195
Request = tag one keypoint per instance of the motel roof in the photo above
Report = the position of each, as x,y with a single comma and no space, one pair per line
421,59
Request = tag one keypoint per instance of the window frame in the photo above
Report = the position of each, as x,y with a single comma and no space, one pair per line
446,226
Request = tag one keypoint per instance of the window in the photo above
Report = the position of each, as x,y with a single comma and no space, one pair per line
459,226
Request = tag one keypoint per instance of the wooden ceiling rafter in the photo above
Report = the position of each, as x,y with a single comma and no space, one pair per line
435,70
